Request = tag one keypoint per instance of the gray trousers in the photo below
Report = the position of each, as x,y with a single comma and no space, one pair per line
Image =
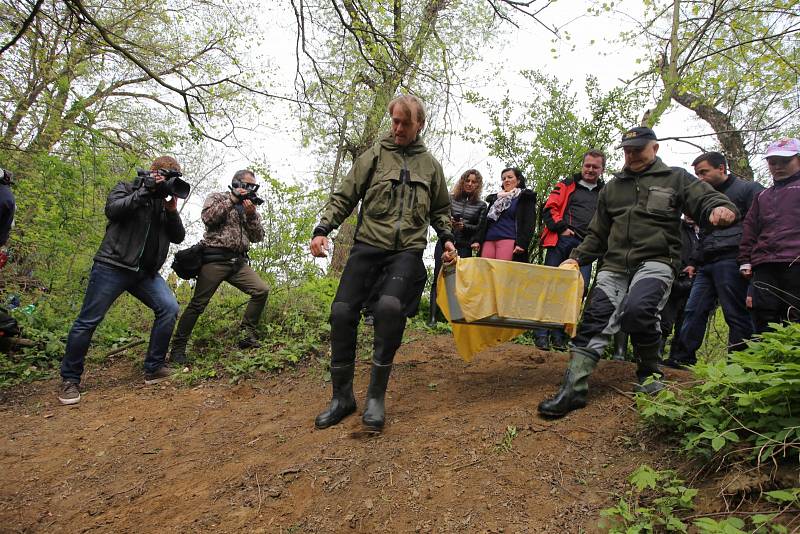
211,276
631,303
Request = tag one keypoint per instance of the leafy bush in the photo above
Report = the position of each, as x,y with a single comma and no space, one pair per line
659,501
746,405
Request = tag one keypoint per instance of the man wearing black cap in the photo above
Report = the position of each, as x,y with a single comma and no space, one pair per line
636,235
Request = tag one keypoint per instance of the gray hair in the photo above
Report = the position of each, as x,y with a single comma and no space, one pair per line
239,175
407,102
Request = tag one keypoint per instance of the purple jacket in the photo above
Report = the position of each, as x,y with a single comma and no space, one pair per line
771,230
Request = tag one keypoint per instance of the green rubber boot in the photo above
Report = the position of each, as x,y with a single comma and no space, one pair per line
572,394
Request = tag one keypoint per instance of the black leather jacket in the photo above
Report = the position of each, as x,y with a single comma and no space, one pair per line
130,219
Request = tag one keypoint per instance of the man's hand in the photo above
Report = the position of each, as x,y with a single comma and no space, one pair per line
567,233
249,207
450,253
569,262
518,249
690,271
319,247
748,302
458,224
475,246
721,216
171,205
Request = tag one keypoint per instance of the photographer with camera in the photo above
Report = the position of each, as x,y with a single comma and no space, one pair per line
232,223
142,223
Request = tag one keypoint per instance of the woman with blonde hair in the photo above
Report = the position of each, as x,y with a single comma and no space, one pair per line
467,211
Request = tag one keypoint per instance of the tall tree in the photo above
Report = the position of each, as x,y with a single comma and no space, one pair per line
734,63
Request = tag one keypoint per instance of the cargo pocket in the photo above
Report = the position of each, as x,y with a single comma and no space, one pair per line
661,200
379,198
420,199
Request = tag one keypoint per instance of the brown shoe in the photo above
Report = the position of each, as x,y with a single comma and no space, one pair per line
159,375
68,393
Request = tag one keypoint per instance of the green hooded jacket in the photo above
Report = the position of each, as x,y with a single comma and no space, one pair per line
403,191
638,218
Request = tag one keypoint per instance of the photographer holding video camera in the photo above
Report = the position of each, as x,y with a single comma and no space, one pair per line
232,223
143,220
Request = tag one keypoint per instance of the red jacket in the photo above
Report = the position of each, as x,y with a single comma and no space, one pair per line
556,205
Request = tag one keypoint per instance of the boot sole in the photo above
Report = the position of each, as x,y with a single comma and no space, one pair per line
342,418
558,415
69,402
154,381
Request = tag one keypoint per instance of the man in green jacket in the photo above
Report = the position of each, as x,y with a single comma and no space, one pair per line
636,235
402,190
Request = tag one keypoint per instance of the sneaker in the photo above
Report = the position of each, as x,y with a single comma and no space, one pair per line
249,341
159,375
69,393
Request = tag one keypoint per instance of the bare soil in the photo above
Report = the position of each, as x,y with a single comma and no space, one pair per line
246,457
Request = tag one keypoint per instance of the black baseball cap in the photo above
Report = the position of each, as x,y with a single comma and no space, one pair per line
638,136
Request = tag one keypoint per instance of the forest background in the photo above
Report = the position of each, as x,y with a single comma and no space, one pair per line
297,89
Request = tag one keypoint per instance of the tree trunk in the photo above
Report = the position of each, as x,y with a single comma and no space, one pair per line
729,136
341,247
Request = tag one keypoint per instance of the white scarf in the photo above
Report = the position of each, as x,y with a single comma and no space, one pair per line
502,203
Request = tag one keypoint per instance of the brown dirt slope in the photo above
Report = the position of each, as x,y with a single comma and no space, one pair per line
246,458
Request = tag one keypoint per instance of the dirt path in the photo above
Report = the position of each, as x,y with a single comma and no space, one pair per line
223,458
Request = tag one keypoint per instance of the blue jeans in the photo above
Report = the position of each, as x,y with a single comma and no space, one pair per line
106,284
717,280
553,258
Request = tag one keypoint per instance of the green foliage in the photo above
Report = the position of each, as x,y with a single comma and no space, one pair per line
746,405
659,501
294,326
654,503
506,443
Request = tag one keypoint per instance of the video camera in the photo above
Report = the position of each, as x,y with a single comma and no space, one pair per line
251,191
172,186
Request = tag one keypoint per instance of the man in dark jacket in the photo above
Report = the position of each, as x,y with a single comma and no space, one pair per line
7,208
636,232
717,271
770,247
141,225
402,190
566,215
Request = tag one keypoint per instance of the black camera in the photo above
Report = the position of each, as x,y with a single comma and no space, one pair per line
172,186
249,195
6,177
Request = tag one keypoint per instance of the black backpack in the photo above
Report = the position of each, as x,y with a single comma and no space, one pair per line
188,262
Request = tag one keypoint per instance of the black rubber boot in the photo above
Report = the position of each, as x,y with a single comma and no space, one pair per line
343,403
374,412
572,394
432,316
647,357
620,347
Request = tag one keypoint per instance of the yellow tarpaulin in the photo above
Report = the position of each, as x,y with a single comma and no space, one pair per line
511,295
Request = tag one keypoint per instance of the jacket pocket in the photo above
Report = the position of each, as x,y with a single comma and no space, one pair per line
661,200
420,198
379,198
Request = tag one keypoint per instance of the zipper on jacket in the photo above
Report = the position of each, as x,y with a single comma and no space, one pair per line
146,233
403,181
630,211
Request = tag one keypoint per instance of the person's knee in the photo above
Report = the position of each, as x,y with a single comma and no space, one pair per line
388,308
260,293
168,308
343,314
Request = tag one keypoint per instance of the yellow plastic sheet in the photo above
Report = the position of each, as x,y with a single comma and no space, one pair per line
507,294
